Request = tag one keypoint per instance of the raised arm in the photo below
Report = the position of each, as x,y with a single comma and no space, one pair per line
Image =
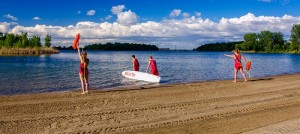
231,56
79,54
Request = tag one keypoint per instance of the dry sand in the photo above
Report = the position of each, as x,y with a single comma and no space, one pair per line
266,105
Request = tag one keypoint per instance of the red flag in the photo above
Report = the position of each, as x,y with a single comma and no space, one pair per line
76,40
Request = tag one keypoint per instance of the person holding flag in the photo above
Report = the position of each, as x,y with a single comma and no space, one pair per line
83,67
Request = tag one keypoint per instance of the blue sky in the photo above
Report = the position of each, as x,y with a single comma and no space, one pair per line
184,23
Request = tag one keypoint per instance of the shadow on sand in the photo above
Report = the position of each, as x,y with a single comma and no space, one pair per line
261,79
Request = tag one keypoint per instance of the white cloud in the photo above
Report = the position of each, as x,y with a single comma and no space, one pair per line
117,9
284,2
185,15
127,18
78,12
4,27
36,18
108,17
198,14
175,13
185,33
11,17
266,0
91,12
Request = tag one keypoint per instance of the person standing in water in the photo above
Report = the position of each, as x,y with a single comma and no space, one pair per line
152,63
135,63
83,71
237,63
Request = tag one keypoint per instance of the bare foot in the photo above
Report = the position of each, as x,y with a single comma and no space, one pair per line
234,81
82,93
86,91
245,80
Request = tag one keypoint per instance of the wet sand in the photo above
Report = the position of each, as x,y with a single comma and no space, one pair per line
261,105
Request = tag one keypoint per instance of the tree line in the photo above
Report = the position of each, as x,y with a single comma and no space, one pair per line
121,46
10,40
219,46
115,46
265,41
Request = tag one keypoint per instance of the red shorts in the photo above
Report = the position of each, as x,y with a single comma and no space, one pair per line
238,66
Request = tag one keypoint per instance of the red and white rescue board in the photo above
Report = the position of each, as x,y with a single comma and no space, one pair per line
141,76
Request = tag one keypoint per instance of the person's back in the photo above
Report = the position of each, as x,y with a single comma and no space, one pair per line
237,61
136,65
153,65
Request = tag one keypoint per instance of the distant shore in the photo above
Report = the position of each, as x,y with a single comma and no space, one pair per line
263,52
259,105
27,51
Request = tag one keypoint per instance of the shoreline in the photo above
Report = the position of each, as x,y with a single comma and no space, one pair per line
198,107
152,85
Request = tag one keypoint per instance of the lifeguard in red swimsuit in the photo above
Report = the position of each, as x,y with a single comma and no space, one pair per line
237,64
152,63
135,63
83,71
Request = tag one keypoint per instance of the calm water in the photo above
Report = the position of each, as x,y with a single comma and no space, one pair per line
59,72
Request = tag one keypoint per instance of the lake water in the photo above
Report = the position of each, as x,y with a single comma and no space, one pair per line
59,72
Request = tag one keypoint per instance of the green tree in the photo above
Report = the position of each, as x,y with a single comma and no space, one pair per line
24,40
1,39
1,36
249,41
1,43
35,41
278,41
9,40
47,41
295,37
265,41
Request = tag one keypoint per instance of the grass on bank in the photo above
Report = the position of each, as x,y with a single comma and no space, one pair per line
28,51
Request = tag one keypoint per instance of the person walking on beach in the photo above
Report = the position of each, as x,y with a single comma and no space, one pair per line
83,71
237,63
152,63
135,63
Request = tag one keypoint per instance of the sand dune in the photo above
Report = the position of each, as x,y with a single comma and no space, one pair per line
256,106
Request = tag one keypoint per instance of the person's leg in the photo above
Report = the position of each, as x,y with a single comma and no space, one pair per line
87,83
242,72
82,83
235,74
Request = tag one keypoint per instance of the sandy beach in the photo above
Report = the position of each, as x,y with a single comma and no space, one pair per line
269,104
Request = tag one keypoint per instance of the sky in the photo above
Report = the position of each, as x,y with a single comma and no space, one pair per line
184,24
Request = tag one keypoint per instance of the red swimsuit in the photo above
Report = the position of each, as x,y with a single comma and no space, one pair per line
154,70
237,62
136,65
81,70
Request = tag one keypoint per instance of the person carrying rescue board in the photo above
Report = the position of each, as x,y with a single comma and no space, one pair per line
237,64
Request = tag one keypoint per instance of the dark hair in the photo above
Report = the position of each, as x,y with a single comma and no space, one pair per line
133,56
150,57
237,51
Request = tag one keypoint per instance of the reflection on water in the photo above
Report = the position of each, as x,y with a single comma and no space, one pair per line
59,72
